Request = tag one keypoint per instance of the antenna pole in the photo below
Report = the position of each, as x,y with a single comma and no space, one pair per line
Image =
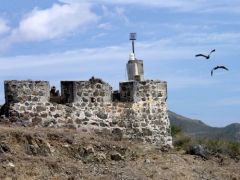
133,46
132,37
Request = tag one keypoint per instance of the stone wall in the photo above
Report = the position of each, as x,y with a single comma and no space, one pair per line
143,117
128,91
137,91
94,90
23,91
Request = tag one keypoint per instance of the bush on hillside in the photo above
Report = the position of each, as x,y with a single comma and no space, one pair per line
214,146
175,130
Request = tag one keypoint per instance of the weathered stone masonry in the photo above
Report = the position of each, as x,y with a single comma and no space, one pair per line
139,112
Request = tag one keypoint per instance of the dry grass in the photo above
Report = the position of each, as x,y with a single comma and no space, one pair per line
40,153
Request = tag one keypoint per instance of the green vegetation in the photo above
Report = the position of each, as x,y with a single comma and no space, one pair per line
175,130
198,129
180,139
213,146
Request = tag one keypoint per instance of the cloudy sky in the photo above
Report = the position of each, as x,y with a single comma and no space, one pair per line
75,39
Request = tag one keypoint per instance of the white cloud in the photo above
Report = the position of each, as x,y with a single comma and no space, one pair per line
105,26
182,82
186,27
224,8
3,26
116,13
56,22
225,37
203,39
165,50
97,36
160,3
120,12
60,59
197,6
110,62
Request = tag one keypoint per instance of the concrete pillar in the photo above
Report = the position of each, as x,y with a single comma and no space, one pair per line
135,69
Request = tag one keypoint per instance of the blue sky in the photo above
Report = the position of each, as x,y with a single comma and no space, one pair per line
75,39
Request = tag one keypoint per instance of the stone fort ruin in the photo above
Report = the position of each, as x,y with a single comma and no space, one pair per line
137,110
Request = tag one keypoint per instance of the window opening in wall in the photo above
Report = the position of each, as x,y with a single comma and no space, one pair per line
93,99
55,95
124,88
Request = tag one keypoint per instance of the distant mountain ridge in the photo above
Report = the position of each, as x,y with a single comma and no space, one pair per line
197,128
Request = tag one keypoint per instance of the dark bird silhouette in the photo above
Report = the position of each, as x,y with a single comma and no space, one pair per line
218,67
206,56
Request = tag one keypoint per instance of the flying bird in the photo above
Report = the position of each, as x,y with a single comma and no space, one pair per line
206,56
218,67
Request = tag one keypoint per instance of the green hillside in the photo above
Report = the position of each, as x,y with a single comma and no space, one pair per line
198,129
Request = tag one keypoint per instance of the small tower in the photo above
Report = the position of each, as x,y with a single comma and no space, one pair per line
134,66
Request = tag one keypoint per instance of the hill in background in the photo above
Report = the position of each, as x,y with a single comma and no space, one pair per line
196,128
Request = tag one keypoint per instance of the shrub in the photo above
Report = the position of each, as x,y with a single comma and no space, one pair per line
220,146
175,130
213,146
234,148
182,141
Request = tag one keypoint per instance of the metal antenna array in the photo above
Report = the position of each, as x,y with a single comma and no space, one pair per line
132,37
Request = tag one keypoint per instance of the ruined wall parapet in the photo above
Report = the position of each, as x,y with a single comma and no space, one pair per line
22,91
94,90
142,116
137,91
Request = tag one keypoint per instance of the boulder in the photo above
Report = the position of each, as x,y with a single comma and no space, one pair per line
197,150
4,148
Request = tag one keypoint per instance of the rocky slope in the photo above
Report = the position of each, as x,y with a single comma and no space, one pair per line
29,153
197,128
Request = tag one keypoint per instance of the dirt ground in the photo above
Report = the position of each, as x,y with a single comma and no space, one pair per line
38,153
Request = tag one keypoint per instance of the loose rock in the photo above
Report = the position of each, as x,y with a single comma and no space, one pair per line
116,156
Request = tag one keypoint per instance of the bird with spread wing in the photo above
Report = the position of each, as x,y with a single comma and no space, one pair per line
205,56
218,67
